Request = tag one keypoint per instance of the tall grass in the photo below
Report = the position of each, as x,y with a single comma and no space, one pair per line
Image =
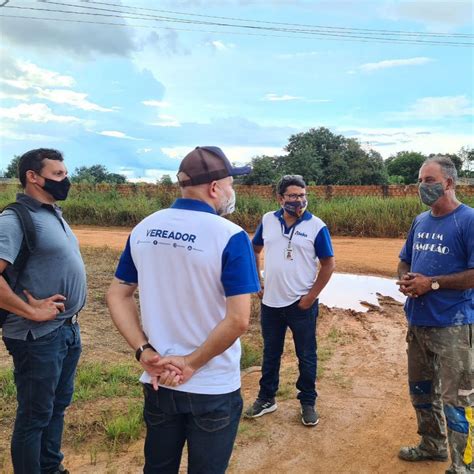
368,216
351,216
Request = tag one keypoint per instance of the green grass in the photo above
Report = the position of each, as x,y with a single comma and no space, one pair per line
95,380
251,355
351,216
124,427
7,385
286,390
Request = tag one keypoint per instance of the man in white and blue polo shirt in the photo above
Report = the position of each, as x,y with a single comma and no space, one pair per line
196,272
295,241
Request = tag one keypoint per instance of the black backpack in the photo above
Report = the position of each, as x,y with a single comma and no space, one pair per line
12,272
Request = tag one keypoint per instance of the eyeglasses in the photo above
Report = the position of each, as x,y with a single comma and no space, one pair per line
294,197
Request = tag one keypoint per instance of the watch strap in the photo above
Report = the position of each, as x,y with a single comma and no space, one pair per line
139,351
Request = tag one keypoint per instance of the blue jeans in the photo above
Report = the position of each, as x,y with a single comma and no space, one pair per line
302,324
44,371
207,422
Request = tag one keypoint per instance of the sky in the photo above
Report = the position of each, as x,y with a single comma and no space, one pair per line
137,95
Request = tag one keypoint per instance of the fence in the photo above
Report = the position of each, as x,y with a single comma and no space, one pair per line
324,192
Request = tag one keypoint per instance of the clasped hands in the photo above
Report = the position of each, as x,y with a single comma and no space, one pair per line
414,284
170,371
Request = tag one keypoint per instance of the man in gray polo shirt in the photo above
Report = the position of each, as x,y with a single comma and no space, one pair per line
41,331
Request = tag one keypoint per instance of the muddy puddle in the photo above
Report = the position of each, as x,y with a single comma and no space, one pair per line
348,291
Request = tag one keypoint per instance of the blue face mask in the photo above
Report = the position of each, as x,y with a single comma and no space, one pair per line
430,193
295,208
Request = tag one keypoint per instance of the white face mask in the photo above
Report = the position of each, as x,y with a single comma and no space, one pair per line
227,206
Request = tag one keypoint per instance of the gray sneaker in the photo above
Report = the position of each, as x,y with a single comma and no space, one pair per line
260,407
309,416
417,453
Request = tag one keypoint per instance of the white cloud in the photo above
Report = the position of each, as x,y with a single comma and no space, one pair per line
141,151
288,98
116,134
35,113
432,12
388,141
433,108
281,98
36,137
300,55
220,45
155,103
7,96
390,63
167,121
37,81
28,75
151,175
72,98
236,154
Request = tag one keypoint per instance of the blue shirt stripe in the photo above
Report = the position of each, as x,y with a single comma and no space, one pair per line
126,269
239,273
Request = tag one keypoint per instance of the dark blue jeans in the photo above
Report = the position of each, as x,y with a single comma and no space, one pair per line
208,423
302,324
44,372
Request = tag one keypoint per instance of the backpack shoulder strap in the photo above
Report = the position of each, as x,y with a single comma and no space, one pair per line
29,234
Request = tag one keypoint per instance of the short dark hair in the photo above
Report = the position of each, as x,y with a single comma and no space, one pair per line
447,166
290,180
33,160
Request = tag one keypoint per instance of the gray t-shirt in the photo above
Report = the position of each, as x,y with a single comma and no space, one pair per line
55,266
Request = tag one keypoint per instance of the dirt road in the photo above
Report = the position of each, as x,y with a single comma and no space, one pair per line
363,397
353,255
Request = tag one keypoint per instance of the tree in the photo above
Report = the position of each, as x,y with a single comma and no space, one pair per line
264,171
12,168
96,174
467,156
165,180
405,164
323,157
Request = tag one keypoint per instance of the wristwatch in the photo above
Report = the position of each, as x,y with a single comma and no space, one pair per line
434,284
139,351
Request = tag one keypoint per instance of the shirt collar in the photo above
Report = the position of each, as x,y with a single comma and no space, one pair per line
33,204
305,217
193,205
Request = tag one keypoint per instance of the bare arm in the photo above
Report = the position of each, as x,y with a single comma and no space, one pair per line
456,281
33,309
234,324
257,250
403,269
124,312
327,268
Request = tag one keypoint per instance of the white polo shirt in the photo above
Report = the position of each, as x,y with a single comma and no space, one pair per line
186,261
288,279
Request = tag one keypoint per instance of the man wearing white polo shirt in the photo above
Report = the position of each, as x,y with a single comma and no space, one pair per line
195,271
295,241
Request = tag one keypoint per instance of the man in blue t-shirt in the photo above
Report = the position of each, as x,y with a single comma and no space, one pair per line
299,261
436,273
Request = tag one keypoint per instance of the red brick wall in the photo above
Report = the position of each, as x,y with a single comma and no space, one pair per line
326,192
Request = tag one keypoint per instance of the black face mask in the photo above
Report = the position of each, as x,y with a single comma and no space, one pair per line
57,189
